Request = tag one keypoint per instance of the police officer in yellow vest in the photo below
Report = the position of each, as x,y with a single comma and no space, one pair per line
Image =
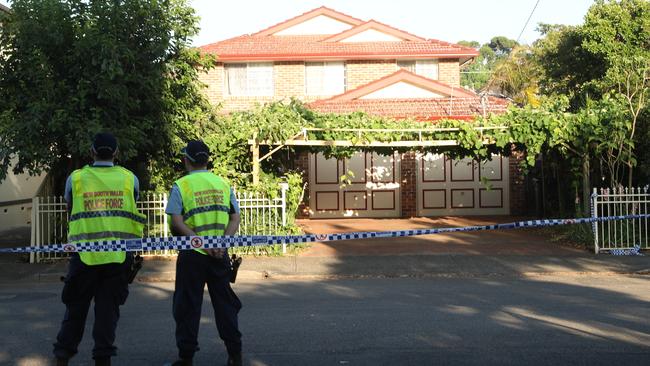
101,201
202,203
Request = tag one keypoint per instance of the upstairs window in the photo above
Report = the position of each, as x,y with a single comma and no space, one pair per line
408,65
324,78
249,79
426,68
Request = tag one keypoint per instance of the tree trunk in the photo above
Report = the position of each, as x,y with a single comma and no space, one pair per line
629,176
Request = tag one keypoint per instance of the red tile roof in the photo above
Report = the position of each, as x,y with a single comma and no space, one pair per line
458,103
264,46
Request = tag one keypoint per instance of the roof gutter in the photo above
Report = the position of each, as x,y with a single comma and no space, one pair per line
320,57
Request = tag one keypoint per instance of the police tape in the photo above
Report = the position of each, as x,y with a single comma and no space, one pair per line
223,242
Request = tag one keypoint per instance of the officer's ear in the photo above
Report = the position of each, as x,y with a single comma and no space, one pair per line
186,163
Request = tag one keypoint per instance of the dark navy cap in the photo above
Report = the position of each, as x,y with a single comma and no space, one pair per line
105,144
197,151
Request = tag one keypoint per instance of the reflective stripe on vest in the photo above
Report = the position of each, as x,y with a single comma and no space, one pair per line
206,203
103,208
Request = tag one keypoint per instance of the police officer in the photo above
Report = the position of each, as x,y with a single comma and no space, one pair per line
202,203
101,201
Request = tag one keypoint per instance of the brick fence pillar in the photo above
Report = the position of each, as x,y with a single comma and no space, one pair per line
408,184
518,204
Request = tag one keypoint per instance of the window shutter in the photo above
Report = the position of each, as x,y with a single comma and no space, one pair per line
427,68
334,78
260,79
406,65
314,78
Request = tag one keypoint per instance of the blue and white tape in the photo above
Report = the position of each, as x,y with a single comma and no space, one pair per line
212,242
636,250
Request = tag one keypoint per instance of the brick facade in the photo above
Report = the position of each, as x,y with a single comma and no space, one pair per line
408,186
289,81
449,72
361,72
213,80
518,205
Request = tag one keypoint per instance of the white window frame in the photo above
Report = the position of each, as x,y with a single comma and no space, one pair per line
324,90
251,90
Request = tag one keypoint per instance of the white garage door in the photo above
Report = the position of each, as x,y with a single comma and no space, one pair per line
462,187
372,189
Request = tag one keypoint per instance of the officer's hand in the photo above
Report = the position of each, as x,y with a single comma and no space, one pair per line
216,253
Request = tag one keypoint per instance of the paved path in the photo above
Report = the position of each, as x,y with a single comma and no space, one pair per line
586,320
493,242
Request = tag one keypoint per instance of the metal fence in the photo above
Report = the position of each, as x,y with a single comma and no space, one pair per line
260,215
620,234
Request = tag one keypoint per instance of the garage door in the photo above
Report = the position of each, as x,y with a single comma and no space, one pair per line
371,189
462,187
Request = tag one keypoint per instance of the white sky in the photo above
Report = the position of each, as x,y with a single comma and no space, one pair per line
447,20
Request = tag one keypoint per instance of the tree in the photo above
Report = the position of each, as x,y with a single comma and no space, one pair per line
566,67
478,73
606,59
517,77
73,68
619,33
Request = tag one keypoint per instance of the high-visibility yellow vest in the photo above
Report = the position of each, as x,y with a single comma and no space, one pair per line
103,208
206,203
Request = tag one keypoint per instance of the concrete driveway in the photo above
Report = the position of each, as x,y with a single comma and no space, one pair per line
493,242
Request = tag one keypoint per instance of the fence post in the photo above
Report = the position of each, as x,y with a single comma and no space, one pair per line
32,241
284,186
165,223
594,214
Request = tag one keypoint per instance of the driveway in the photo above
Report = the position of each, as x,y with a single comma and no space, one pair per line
492,242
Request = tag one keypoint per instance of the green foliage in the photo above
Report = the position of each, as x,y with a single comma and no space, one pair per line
477,74
603,66
517,77
294,196
73,68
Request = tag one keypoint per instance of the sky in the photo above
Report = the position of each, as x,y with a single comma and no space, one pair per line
447,20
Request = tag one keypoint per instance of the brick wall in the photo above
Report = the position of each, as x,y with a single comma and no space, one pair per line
360,72
518,205
214,82
408,184
289,81
449,71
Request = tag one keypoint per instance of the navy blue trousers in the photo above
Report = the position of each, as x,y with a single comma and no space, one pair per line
107,284
193,271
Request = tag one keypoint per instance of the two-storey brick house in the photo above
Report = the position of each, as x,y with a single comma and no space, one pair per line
338,63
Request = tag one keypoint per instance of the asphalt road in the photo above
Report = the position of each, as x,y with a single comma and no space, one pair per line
543,320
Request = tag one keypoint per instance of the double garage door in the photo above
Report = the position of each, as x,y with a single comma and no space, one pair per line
368,185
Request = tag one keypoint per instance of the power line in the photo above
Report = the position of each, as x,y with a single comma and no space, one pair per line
525,25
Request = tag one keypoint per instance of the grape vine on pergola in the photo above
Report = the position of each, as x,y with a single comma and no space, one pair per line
302,138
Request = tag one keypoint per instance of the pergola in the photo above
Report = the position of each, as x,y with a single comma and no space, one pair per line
302,139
